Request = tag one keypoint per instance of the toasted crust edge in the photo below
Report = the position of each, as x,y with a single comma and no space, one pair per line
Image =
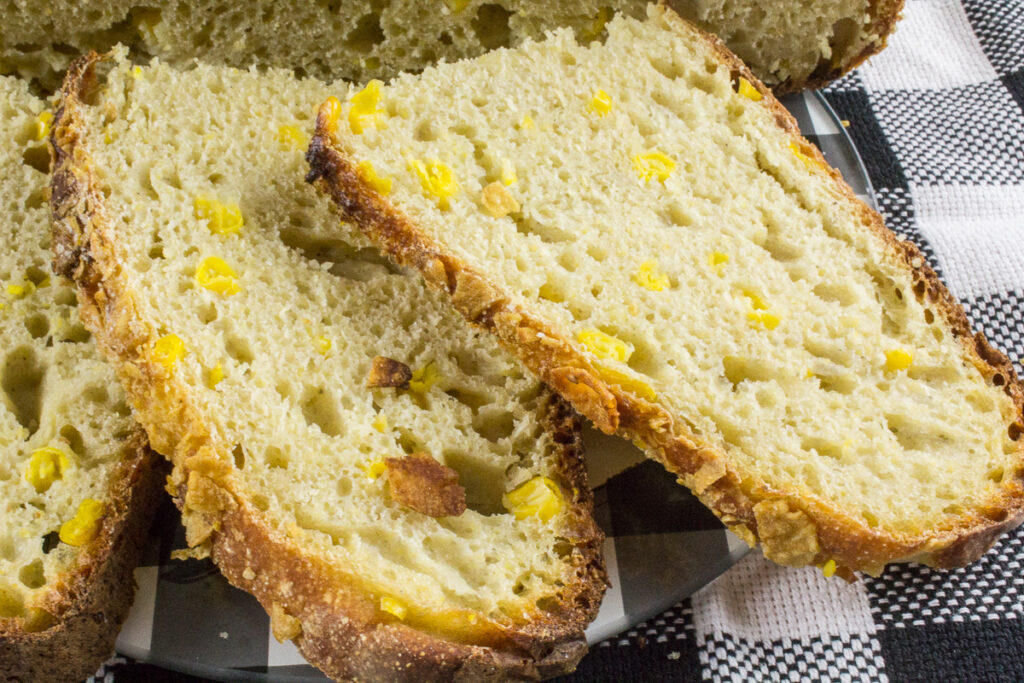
793,530
92,597
341,630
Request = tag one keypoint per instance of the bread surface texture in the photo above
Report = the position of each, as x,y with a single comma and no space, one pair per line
66,437
404,498
786,45
641,222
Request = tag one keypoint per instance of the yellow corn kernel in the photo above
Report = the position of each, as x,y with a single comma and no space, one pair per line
380,184
45,282
605,346
755,300
539,497
649,276
809,161
84,526
436,179
765,319
526,123
393,606
374,468
216,376
43,123
330,110
498,201
380,423
222,219
508,172
168,350
364,111
19,291
747,89
323,345
595,29
46,466
217,276
424,378
627,381
292,136
829,569
600,103
653,165
898,359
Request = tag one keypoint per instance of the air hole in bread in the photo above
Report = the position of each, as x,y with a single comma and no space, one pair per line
644,125
74,439
597,252
240,349
666,68
206,312
738,369
484,481
238,456
842,293
547,233
156,252
37,157
826,448
408,441
1014,431
494,425
929,317
677,213
840,355
38,325
425,131
32,575
836,382
998,379
275,457
21,381
320,410
366,34
550,291
11,602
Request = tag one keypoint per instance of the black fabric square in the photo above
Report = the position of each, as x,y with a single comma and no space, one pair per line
999,27
883,165
965,651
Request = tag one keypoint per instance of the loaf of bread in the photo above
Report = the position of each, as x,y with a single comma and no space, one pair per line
641,222
77,482
402,496
788,46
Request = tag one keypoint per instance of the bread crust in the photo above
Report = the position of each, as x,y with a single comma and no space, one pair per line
793,529
333,616
91,600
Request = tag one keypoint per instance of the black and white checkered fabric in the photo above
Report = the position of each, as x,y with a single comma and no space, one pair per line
939,121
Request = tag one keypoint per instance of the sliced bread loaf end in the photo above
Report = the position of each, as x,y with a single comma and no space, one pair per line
403,497
641,222
77,481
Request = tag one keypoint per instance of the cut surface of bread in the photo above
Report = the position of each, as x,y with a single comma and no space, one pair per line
787,45
76,479
642,223
404,498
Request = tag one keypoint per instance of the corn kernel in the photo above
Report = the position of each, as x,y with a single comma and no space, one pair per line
168,350
424,378
380,184
605,346
508,172
596,27
19,291
136,72
43,123
292,136
809,161
653,165
498,201
627,381
649,276
374,468
222,219
84,526
330,110
323,345
436,179
755,300
539,497
829,569
600,103
216,376
526,123
380,423
217,276
747,89
364,111
393,606
765,319
46,466
898,359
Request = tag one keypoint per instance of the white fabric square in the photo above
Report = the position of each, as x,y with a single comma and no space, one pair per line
136,634
934,47
977,234
759,600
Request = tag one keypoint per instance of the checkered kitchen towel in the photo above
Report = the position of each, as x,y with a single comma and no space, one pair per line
939,120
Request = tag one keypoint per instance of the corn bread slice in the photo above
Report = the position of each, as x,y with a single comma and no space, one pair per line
402,496
77,482
641,222
788,46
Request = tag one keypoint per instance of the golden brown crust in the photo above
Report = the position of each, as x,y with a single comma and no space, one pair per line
334,617
388,372
92,599
421,483
795,529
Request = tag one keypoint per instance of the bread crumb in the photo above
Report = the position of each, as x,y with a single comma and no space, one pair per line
673,655
224,635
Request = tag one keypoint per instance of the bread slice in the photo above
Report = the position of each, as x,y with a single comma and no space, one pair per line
65,585
402,496
788,46
642,223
